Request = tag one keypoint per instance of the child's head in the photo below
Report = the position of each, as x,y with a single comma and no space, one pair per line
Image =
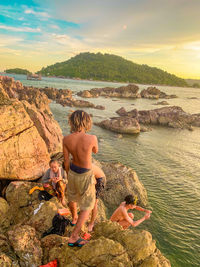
80,120
54,165
130,200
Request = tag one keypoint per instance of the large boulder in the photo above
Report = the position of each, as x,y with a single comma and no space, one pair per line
101,252
26,245
22,203
47,127
138,243
23,153
125,124
36,103
121,181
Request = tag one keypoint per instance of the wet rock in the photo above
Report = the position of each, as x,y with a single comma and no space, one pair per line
129,91
122,125
26,246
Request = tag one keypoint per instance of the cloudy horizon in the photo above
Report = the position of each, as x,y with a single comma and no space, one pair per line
163,34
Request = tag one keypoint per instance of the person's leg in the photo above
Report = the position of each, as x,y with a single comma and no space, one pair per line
126,224
73,208
93,216
82,217
97,171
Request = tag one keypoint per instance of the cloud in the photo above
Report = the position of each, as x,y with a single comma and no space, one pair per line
37,13
19,29
56,27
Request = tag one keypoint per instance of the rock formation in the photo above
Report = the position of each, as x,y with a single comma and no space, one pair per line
129,91
37,109
23,153
134,121
26,218
155,93
126,125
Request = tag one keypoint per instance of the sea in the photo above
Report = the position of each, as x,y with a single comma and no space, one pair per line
166,160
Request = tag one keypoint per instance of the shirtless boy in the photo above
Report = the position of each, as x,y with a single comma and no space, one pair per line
81,181
124,218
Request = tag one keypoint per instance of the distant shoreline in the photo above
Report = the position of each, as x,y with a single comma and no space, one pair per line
91,80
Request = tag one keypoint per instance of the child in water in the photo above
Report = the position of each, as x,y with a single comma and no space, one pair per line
124,218
54,181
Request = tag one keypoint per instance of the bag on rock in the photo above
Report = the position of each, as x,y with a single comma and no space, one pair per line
59,223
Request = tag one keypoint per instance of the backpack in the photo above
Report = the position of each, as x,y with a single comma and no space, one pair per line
59,223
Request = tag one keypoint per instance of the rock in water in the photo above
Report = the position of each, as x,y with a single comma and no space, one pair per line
129,91
124,125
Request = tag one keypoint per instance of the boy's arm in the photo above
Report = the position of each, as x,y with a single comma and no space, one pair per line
141,209
126,217
136,223
95,145
66,156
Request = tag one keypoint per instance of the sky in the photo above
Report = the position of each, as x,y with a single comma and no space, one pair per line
159,33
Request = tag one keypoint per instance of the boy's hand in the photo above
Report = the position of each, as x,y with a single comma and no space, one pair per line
46,185
148,211
147,216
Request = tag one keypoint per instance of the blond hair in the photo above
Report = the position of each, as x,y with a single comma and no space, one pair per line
80,120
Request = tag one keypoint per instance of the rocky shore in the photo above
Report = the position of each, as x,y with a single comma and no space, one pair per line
129,91
134,121
29,136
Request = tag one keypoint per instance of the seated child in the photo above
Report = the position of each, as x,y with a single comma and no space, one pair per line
124,218
54,181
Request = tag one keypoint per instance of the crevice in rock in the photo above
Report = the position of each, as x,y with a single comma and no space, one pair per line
4,140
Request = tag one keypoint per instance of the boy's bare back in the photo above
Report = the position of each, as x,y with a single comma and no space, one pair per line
80,145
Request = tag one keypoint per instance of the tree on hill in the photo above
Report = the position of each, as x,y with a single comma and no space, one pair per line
109,67
18,71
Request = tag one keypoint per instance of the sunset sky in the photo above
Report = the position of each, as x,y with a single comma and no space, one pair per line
160,33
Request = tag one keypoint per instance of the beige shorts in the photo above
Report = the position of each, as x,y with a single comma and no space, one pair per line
81,189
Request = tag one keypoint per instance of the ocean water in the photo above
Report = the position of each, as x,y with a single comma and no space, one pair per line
166,160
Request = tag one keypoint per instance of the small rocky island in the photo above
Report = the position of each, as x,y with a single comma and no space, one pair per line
129,91
29,137
134,121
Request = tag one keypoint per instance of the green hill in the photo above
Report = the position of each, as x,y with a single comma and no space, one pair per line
108,67
17,71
